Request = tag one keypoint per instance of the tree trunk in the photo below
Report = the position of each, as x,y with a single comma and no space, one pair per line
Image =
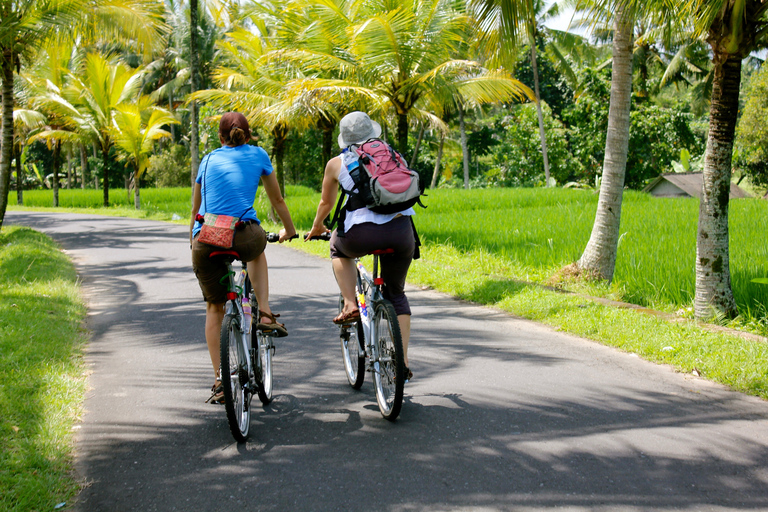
327,125
327,145
85,175
599,257
105,173
19,178
173,113
402,133
542,133
436,172
714,296
69,167
418,144
136,193
194,136
6,131
464,146
280,135
56,169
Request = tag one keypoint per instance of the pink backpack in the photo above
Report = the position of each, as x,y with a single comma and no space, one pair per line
384,182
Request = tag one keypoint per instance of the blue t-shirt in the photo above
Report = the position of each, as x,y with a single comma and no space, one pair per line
229,178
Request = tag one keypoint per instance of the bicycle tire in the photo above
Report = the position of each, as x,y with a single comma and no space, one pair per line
388,360
234,378
264,350
352,351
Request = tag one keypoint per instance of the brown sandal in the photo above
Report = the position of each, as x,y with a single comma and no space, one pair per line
347,318
271,326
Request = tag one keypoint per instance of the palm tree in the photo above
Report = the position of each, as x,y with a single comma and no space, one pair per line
733,30
25,122
599,257
469,86
398,47
96,94
136,128
194,71
25,25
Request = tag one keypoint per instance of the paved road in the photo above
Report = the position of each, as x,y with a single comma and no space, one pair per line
503,414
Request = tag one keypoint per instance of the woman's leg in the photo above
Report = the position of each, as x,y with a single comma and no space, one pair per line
214,315
258,273
346,276
405,333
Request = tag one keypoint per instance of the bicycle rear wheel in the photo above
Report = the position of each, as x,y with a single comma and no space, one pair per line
234,378
352,351
389,361
264,349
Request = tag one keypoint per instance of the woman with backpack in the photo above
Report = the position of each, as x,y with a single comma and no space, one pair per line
226,184
362,230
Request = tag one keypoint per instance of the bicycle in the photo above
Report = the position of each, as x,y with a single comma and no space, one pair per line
374,343
246,370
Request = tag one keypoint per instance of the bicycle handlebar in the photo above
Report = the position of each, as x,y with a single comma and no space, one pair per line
275,237
325,236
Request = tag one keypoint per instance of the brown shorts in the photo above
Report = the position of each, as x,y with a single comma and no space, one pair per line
249,242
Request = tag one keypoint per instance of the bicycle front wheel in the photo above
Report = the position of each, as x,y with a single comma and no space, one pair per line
234,378
352,351
389,361
265,348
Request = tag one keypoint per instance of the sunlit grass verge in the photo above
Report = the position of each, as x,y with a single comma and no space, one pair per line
728,359
42,379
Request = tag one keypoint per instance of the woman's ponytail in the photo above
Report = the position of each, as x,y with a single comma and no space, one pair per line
237,136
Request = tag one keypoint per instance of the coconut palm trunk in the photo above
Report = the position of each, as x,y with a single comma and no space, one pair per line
280,134
599,257
69,166
714,295
6,131
194,136
542,133
19,178
402,134
464,146
85,175
105,174
136,192
436,172
418,145
56,169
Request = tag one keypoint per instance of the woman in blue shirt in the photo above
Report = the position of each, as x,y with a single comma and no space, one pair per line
226,184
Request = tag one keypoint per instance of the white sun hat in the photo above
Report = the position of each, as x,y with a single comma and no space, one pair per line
356,128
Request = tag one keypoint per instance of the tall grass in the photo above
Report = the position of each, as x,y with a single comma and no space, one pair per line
539,231
42,379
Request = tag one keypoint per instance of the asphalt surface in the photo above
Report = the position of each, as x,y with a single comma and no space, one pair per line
502,414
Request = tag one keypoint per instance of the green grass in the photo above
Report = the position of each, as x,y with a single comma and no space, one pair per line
42,379
484,245
536,231
483,278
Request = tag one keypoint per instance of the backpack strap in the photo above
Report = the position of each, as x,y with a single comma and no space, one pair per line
340,214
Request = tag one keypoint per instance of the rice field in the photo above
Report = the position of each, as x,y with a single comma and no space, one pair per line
540,231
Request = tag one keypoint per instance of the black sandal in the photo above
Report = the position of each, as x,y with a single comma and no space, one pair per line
271,326
217,393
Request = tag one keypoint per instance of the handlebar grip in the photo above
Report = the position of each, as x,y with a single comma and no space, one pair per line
325,236
275,237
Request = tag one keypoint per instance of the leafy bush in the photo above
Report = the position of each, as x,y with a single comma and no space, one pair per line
656,136
750,155
170,167
518,159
